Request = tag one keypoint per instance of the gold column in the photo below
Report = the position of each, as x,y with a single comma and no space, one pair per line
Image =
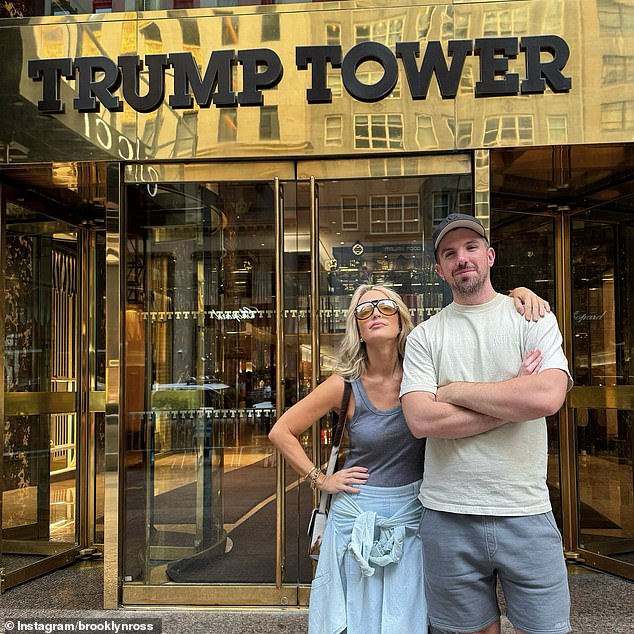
314,310
567,464
280,520
83,390
482,188
115,283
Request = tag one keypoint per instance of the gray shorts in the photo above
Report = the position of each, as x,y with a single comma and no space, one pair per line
464,557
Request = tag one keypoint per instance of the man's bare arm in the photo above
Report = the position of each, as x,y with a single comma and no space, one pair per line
428,418
517,399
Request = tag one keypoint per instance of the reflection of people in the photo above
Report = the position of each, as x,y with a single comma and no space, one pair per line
487,511
369,576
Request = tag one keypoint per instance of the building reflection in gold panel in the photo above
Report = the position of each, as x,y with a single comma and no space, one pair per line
278,117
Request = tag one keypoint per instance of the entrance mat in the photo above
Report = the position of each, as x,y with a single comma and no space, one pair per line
242,489
252,555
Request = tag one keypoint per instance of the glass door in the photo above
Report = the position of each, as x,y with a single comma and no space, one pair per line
602,250
42,462
203,329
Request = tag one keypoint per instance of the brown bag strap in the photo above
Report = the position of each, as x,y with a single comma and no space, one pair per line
336,441
343,410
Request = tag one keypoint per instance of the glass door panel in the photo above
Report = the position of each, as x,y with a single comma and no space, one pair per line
525,256
200,388
378,231
41,464
96,381
298,360
602,247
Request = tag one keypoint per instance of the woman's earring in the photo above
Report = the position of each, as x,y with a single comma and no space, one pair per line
361,339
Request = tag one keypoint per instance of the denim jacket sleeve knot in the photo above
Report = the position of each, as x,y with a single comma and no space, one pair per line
375,539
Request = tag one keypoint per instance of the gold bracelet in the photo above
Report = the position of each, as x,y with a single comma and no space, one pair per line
314,477
309,475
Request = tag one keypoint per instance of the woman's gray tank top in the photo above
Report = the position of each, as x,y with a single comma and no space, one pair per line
381,441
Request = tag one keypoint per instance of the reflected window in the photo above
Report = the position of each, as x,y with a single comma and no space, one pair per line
615,17
508,130
186,134
333,130
190,32
439,206
378,131
617,116
425,134
228,125
508,22
554,17
465,202
102,6
371,73
271,27
394,214
462,24
333,34
152,36
269,124
149,133
557,130
466,81
447,25
386,32
335,83
349,213
423,22
618,68
465,134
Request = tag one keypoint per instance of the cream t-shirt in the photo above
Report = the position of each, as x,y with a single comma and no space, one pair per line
502,471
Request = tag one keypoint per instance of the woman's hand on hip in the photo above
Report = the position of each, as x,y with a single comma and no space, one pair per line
344,480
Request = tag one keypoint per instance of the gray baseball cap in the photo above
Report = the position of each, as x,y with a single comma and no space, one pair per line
456,221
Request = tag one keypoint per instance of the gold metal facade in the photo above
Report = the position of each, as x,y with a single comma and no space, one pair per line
597,109
301,150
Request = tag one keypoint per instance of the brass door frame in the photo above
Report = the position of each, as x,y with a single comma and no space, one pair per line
567,461
56,554
93,400
115,592
115,319
594,397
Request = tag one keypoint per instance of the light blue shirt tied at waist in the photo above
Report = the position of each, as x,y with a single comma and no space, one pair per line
354,531
388,549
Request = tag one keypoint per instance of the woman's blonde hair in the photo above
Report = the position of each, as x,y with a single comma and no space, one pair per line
352,355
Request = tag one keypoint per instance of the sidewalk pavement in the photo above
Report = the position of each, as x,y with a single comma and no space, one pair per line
601,604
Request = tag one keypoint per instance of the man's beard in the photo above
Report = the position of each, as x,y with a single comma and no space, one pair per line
470,286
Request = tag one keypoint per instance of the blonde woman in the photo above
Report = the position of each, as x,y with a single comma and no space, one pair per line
369,577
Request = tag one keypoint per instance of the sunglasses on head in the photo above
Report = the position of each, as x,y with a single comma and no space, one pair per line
386,307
